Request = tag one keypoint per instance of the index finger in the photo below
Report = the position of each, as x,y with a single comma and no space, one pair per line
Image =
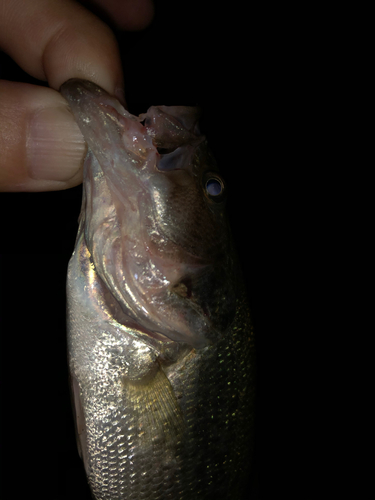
55,40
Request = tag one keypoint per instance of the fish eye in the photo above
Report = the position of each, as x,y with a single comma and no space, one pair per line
214,187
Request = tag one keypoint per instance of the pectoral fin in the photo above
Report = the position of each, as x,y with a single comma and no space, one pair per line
158,413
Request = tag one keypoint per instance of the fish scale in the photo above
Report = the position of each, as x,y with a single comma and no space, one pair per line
164,409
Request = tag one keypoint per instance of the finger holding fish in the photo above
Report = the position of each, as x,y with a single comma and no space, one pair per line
42,147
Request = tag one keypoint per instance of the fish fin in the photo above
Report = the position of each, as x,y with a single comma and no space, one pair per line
79,420
157,413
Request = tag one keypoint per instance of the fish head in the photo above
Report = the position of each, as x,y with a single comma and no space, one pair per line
154,217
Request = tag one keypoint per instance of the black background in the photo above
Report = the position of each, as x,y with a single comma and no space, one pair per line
194,53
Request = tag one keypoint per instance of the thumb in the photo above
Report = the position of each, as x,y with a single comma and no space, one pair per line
42,148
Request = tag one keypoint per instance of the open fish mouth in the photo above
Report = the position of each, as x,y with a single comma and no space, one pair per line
153,216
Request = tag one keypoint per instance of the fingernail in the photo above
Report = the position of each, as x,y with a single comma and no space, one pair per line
55,145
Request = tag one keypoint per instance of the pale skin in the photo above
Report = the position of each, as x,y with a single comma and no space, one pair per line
41,146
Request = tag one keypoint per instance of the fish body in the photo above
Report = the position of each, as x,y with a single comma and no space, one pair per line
161,347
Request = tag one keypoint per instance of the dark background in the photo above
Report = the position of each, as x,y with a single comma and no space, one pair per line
194,53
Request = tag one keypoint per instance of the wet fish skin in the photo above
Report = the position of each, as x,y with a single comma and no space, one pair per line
164,397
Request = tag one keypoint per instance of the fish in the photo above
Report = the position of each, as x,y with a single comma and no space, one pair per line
161,345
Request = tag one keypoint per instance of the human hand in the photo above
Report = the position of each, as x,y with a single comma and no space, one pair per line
41,146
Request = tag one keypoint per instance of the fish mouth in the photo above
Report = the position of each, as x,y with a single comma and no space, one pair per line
145,250
96,111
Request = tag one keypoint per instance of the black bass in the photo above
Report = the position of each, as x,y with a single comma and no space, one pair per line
161,348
